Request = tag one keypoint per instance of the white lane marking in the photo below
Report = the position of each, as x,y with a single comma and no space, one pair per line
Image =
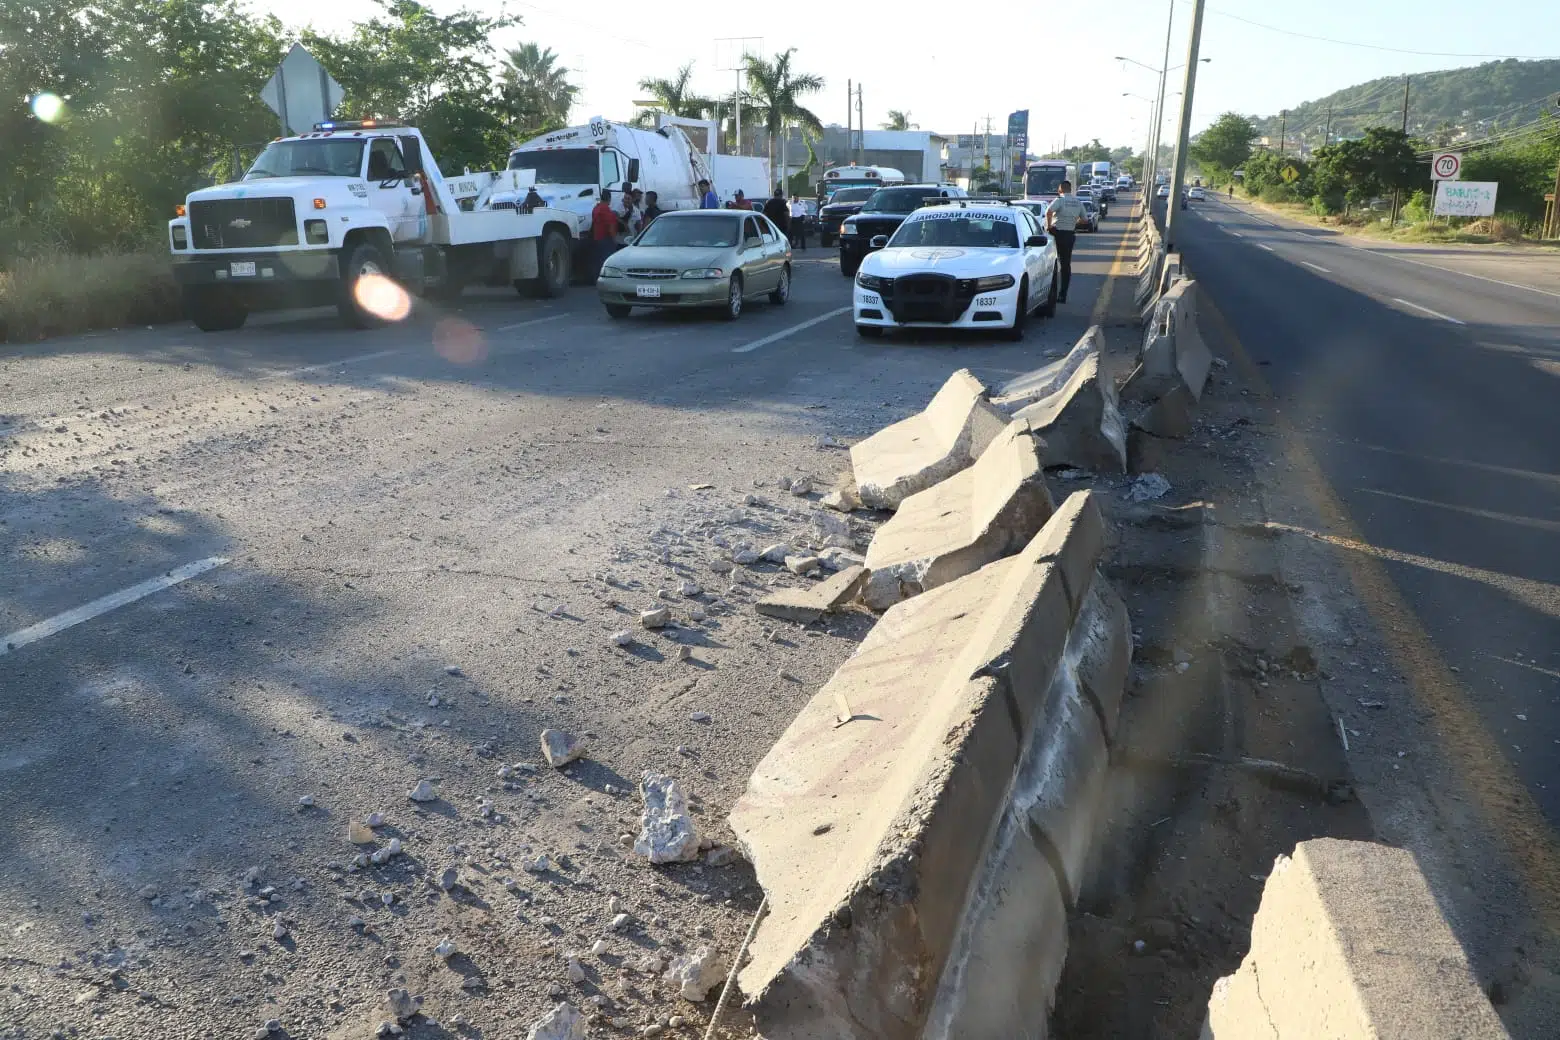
1427,310
1264,245
1316,267
331,364
533,321
783,333
1237,234
1451,270
113,601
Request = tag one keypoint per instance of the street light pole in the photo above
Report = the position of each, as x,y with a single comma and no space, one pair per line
1159,109
1172,204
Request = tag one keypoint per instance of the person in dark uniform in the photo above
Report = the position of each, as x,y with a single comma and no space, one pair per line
1061,220
778,212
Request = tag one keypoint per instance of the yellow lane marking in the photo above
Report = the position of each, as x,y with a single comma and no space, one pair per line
1102,305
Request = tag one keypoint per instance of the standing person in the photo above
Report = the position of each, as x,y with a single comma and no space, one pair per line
778,212
603,229
707,197
798,222
652,207
532,200
1061,220
739,201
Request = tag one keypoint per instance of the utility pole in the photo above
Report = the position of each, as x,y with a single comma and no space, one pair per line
861,129
1159,108
1283,130
1177,178
850,91
1327,134
1395,191
1405,104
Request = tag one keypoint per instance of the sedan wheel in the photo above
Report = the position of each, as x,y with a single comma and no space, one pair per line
733,309
783,290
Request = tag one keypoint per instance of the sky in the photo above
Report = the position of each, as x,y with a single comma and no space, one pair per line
950,73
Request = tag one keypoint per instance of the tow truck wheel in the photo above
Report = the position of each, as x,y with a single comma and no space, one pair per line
364,260
553,266
214,308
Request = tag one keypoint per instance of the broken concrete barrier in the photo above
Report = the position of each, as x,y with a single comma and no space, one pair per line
980,514
1080,424
932,445
1173,352
1046,380
1349,943
919,856
811,603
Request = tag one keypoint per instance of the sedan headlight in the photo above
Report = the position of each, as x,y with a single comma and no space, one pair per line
871,281
704,272
996,281
611,272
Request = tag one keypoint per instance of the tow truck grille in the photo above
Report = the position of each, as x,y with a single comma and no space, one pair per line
928,297
243,223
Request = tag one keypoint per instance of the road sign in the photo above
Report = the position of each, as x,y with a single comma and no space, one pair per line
1018,129
301,92
1465,198
1446,166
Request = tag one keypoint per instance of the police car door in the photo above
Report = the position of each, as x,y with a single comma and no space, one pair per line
392,192
1034,256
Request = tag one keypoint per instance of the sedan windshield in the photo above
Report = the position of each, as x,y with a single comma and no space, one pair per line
704,232
897,200
970,231
316,157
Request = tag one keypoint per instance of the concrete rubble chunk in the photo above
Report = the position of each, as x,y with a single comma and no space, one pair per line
667,833
696,973
657,617
561,1023
980,514
1169,416
841,559
1046,380
802,565
932,445
776,553
832,530
843,500
887,820
1080,424
423,792
400,1005
1173,353
560,748
810,604
1350,943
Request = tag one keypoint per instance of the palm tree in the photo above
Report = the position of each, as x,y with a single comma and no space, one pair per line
898,120
673,97
537,91
776,93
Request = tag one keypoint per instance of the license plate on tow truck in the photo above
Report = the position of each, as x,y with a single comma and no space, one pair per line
648,292
242,268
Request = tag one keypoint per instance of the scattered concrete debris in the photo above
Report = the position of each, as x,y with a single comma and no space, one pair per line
561,748
809,604
745,557
667,833
802,565
1147,487
561,1023
831,530
776,553
688,589
423,792
449,879
445,949
696,973
623,637
655,618
538,864
844,500
401,1005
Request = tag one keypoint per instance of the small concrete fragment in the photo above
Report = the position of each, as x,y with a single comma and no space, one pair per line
667,833
832,530
561,1023
1080,424
423,792
843,500
696,973
806,605
400,1005
932,445
655,618
1350,943
980,514
560,748
1170,416
802,565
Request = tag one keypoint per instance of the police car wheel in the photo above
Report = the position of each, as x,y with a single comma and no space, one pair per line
1049,309
1015,332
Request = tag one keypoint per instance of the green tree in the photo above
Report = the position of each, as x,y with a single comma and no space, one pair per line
899,120
1082,153
1223,147
777,94
430,70
536,90
1353,172
675,97
1524,167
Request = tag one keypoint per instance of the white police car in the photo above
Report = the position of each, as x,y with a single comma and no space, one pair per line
959,264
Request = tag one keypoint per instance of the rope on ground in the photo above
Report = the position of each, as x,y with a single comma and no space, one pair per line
736,962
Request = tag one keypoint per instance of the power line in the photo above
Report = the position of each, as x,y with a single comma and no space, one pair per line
1373,46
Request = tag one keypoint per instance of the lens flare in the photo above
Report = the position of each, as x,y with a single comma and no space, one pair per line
48,107
382,298
459,342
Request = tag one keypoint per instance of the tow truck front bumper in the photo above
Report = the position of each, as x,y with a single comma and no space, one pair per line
288,267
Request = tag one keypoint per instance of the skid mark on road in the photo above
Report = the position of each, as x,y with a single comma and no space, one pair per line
113,601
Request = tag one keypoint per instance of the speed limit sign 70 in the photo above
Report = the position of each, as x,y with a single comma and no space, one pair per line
1446,166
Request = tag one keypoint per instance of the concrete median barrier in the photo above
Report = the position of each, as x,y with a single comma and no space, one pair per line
980,514
889,844
1042,382
1174,353
1081,423
1349,943
932,445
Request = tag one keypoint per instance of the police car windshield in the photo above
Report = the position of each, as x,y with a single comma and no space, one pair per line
559,166
316,157
958,228
897,200
670,229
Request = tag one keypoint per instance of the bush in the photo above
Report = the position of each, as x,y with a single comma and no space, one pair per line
1278,193
1417,209
58,294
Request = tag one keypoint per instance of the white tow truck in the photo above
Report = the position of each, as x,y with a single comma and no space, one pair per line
353,209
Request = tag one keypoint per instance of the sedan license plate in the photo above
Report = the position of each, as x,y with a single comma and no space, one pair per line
648,292
242,268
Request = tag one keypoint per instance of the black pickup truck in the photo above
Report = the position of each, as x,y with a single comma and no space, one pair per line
882,215
845,202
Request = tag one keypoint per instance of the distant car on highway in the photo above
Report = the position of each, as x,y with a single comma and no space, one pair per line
1090,221
1197,194
1163,192
708,258
1090,195
1036,207
1124,183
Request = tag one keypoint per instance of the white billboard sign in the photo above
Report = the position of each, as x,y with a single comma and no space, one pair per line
1465,198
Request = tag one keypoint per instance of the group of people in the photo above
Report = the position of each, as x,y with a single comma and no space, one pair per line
789,217
614,226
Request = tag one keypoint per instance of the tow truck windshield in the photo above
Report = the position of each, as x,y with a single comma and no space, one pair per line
560,166
315,157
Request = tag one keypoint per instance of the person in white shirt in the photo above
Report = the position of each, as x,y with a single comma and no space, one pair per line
798,223
1061,220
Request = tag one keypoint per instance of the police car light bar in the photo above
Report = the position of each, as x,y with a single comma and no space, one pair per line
357,124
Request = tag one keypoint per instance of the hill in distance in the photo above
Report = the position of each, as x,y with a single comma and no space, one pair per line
1444,107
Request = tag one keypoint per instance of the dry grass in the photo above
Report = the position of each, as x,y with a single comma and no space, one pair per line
59,294
1487,231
